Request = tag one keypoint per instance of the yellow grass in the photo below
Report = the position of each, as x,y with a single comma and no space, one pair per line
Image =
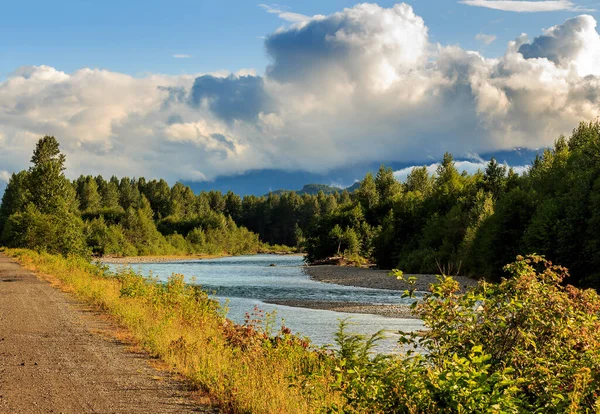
241,368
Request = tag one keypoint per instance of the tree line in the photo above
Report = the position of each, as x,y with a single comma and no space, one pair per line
474,223
43,210
447,221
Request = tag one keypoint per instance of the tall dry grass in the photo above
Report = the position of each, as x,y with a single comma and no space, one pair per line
242,368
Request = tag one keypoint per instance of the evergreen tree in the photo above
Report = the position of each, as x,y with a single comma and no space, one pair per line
367,194
49,188
110,196
15,198
494,178
419,180
387,185
90,199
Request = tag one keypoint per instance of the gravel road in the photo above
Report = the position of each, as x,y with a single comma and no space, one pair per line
55,359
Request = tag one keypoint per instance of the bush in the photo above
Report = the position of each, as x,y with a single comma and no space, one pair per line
60,232
528,344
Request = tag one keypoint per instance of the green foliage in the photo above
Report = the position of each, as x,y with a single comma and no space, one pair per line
476,223
470,223
61,232
15,198
48,187
527,344
42,210
90,199
39,208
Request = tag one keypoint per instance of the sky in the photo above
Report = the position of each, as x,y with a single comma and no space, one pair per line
204,91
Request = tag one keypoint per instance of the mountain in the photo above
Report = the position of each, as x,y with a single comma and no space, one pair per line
313,189
259,182
353,187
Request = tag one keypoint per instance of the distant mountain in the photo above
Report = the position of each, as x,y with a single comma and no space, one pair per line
313,189
259,182
353,187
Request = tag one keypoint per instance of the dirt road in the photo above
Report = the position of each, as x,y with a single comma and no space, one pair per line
54,360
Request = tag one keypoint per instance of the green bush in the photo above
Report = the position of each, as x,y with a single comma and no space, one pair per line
60,232
527,344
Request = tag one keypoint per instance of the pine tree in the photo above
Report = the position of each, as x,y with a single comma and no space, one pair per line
49,188
386,184
90,199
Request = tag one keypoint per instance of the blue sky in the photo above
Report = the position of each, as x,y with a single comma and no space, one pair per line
229,93
136,37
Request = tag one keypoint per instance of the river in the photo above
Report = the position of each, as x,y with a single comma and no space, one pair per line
243,282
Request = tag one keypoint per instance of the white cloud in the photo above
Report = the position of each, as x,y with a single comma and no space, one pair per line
181,56
486,39
284,14
574,44
4,176
523,6
362,85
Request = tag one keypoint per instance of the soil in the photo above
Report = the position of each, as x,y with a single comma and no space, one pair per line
59,356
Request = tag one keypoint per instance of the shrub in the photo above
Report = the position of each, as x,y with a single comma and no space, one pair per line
527,344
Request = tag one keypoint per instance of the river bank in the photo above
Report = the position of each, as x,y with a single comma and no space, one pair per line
156,259
374,279
389,311
174,258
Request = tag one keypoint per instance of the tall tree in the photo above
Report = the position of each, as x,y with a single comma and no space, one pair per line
89,198
367,194
386,184
419,180
49,187
494,178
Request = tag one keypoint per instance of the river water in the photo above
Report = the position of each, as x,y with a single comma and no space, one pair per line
243,282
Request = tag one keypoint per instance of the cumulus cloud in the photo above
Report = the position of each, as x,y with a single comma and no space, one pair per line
575,43
362,85
525,6
486,39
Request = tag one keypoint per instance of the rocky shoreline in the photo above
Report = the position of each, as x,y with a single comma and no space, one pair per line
390,311
375,279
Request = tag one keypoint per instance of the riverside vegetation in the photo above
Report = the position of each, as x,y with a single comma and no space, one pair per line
470,223
527,344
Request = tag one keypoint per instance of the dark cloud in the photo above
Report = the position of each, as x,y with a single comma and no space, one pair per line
297,52
176,94
231,98
224,140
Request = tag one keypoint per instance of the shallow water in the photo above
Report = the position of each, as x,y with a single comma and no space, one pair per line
248,281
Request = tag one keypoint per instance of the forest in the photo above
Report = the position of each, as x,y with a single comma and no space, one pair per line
453,222
447,221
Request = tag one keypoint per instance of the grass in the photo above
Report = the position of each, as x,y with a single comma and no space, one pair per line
242,368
